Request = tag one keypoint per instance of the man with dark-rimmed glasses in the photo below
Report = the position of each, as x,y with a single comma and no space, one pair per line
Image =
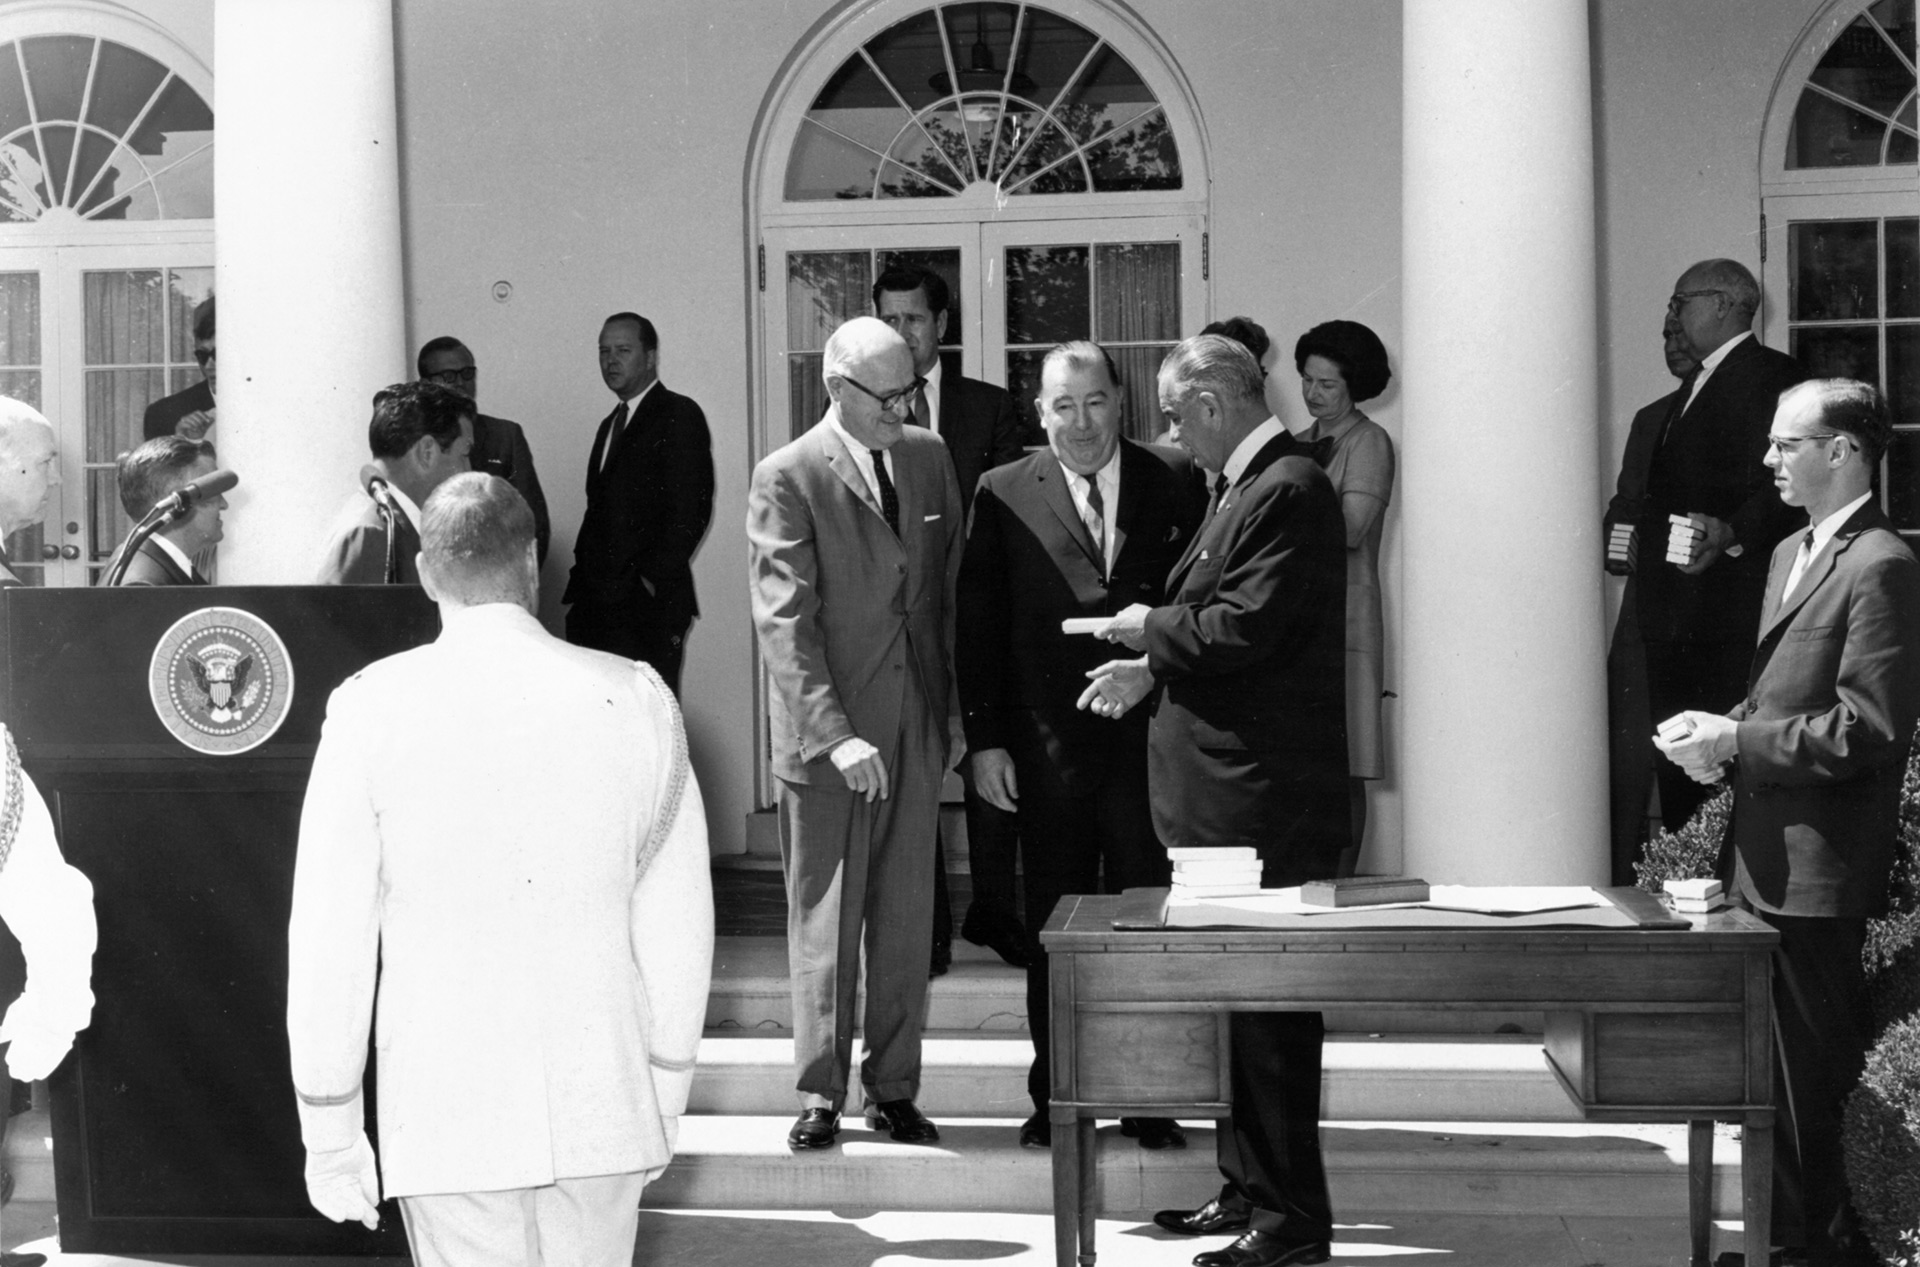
499,445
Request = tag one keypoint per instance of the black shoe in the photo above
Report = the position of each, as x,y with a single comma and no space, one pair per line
1004,937
1154,1133
905,1123
815,1128
941,960
1036,1131
11,1259
1263,1249
1208,1219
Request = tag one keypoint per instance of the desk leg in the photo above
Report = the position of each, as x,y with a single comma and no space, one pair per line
1756,1184
1066,1190
1088,1146
1700,1189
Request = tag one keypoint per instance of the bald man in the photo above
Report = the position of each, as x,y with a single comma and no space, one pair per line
29,471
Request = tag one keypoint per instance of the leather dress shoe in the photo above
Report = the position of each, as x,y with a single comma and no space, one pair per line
1036,1132
12,1259
1004,937
903,1122
815,1128
1208,1219
1263,1249
1154,1133
940,960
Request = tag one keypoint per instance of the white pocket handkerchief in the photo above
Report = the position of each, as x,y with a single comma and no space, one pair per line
927,519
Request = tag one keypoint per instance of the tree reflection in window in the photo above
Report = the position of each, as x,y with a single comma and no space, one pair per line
1857,109
94,130
1007,95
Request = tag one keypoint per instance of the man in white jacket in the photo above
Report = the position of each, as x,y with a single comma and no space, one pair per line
47,908
504,826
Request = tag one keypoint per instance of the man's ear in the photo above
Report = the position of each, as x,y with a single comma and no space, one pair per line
940,326
423,452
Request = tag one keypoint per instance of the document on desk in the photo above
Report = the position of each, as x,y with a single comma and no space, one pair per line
1282,908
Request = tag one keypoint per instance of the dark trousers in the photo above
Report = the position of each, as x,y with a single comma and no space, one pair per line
1269,1148
1822,1030
636,631
1630,750
1710,677
1068,839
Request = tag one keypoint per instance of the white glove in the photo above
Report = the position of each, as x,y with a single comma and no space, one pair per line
33,1052
344,1184
670,1126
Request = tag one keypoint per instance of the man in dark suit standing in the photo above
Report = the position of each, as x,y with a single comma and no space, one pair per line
1248,746
499,446
1702,461
853,541
1086,528
981,430
1818,747
158,469
190,411
649,497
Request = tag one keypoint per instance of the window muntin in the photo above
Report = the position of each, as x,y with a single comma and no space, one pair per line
1007,95
96,130
1857,108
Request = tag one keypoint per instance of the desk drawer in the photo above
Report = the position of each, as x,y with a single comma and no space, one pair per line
1651,1059
1148,1058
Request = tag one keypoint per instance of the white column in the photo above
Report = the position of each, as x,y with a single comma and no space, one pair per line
1505,753
308,266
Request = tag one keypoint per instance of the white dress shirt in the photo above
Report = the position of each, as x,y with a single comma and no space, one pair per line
863,458
1712,363
174,552
932,392
1243,453
1823,532
1109,478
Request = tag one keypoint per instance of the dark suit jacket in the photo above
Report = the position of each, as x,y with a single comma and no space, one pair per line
840,603
982,431
1710,463
1248,744
154,566
162,414
646,511
500,448
1825,727
356,553
1030,564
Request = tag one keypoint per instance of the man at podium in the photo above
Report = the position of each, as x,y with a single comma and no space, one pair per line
523,871
421,434
157,470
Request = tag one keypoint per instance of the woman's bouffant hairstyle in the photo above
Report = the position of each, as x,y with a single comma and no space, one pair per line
1358,352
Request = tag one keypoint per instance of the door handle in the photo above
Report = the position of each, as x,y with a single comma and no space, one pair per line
49,551
69,552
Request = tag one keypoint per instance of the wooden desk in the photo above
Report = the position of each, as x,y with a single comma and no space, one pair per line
1643,1025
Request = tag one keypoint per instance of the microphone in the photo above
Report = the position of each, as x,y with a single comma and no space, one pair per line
181,503
375,485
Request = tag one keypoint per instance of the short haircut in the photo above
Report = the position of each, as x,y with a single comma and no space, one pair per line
445,343
476,535
1732,279
900,278
1081,354
649,337
156,469
1245,331
1357,350
1855,409
1214,363
15,416
854,341
405,412
203,319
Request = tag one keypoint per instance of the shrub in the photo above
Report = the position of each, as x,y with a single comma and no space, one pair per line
1893,943
1882,1145
1693,852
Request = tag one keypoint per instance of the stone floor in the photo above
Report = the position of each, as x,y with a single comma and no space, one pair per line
728,1238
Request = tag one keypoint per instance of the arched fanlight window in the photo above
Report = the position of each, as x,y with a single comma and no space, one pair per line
1006,95
94,130
1857,107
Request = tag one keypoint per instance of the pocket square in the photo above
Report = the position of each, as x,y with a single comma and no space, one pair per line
1202,558
927,519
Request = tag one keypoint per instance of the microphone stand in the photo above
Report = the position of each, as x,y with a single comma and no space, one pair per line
387,515
148,525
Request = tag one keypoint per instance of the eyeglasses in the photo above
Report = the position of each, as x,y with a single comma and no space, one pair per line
1788,444
453,378
891,400
203,355
1680,298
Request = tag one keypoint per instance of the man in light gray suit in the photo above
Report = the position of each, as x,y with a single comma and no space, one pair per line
854,533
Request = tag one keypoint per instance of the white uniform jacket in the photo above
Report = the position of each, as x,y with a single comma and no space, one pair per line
48,906
492,821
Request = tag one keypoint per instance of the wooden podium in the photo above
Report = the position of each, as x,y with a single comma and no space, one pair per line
174,1124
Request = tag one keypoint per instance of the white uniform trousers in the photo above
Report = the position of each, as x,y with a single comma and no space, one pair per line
590,1222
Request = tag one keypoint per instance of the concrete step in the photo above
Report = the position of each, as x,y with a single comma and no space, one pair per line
1461,1168
29,1155
982,1074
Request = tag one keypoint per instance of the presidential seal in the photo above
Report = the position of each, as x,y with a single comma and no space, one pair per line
221,681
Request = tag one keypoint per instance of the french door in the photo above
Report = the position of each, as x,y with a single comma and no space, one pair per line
90,335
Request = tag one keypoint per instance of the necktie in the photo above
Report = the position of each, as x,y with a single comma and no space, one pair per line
1681,399
1096,519
1801,559
889,500
922,417
614,430
1219,494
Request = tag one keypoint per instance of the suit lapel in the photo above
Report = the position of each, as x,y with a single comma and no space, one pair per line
165,563
843,464
596,467
1127,513
1784,606
1052,478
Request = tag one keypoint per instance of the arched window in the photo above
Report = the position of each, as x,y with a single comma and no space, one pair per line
1047,160
1839,168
